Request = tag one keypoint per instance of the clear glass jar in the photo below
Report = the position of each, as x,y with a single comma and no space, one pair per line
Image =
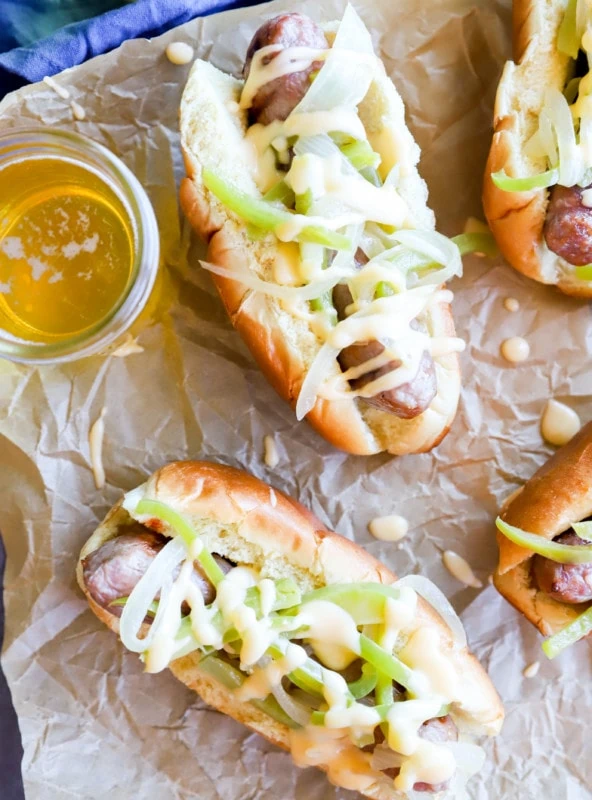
30,149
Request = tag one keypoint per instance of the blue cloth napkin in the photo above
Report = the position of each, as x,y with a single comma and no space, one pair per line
11,750
82,40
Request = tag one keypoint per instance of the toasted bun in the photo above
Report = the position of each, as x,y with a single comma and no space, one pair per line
557,495
283,344
517,218
242,518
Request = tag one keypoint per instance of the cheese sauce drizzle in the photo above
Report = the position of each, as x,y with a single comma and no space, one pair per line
245,620
304,154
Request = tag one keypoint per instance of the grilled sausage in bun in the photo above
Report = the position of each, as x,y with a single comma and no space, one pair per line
545,546
538,181
292,630
302,178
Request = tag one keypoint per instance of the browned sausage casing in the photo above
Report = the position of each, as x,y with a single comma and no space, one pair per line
568,226
567,583
278,98
113,570
406,401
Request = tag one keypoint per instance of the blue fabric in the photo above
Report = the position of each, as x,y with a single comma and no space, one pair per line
82,40
25,21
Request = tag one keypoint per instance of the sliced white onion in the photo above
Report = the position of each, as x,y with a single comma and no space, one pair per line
312,259
295,710
534,147
144,592
436,247
321,367
344,80
547,138
469,757
586,140
560,117
469,760
323,146
440,603
344,260
392,179
331,277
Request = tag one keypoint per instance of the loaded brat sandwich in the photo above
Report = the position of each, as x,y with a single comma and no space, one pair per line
537,192
292,630
545,546
302,178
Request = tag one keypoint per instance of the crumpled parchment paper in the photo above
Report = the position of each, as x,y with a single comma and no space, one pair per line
94,725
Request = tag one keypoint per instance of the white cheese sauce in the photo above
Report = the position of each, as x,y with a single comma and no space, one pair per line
515,349
391,528
460,569
559,423
179,53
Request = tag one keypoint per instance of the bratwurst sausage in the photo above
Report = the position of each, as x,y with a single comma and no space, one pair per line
406,401
276,99
567,583
115,568
568,227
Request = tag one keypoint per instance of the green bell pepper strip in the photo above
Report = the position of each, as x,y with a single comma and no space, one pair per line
384,289
182,527
255,234
324,304
365,683
584,273
268,216
308,677
360,154
508,184
576,630
303,202
233,679
386,664
121,601
287,595
476,243
281,192
567,36
364,602
583,529
561,553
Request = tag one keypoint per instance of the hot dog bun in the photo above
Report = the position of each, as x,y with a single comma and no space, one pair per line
517,219
557,495
246,521
284,346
